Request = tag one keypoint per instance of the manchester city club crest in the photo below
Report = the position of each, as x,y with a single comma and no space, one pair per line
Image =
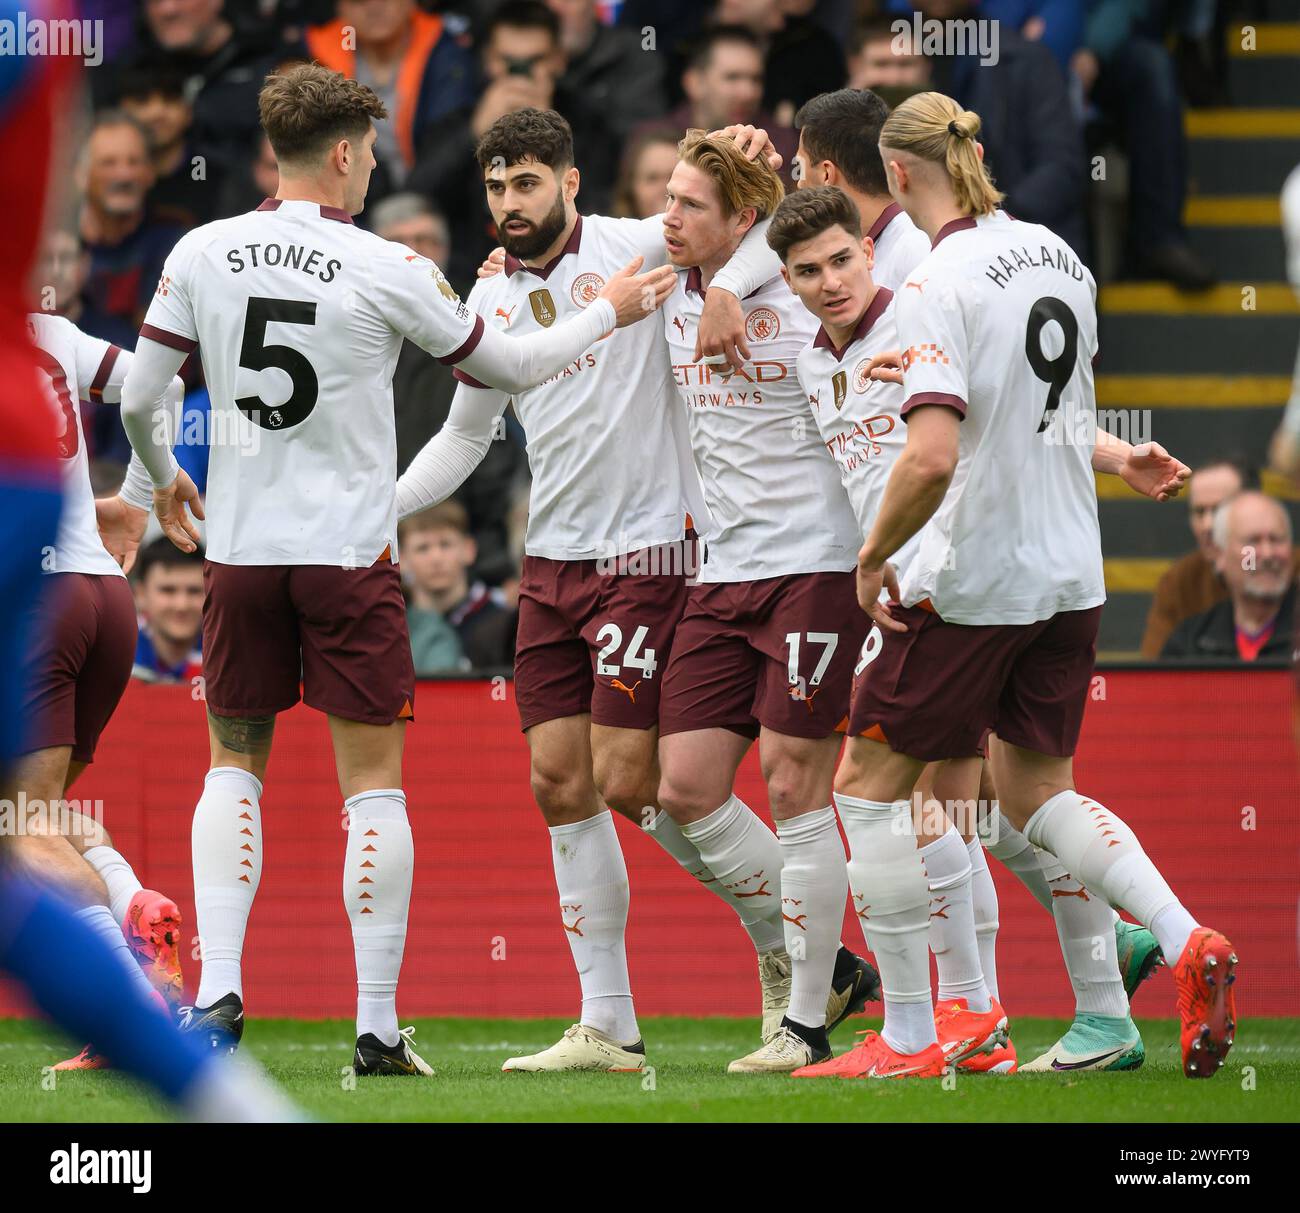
862,375
585,288
543,307
762,324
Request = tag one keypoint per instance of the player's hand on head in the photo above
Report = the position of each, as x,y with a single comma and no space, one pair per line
1152,471
887,367
121,527
173,506
753,141
635,295
493,263
720,334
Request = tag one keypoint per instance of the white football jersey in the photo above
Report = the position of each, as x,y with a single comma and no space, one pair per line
608,449
299,317
76,367
900,247
859,417
999,322
773,490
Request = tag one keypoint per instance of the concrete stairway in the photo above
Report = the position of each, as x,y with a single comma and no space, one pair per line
1214,370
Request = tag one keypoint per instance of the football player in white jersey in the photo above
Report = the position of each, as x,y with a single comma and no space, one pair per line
857,406
300,316
994,626
839,135
766,645
604,577
80,669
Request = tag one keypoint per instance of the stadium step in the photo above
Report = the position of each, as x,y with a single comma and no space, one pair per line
1261,62
1241,151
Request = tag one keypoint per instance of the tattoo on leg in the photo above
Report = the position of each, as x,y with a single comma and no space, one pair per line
242,734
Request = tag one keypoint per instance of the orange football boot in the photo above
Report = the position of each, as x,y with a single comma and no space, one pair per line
153,933
871,1057
1204,978
87,1059
1002,1060
963,1032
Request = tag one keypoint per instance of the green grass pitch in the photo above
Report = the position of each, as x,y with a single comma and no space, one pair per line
1261,1081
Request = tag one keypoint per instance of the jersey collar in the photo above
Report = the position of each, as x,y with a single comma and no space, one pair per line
326,212
884,219
574,242
877,306
695,283
953,225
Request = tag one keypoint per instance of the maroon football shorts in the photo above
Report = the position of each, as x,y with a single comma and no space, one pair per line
81,663
596,639
338,633
938,689
776,653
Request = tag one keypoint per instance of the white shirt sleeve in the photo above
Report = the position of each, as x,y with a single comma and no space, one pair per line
151,394
932,338
419,303
137,487
170,318
751,265
445,462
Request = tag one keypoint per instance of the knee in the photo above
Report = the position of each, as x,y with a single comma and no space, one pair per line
687,796
797,786
560,791
627,789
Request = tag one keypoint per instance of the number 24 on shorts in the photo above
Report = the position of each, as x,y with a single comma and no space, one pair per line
634,657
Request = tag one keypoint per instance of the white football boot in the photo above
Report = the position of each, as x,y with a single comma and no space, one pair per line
581,1048
774,977
784,1053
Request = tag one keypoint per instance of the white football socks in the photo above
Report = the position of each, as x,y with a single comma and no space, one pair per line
100,920
984,906
117,876
1085,926
226,846
377,872
1016,853
814,885
952,921
1095,845
746,858
591,879
891,897
766,935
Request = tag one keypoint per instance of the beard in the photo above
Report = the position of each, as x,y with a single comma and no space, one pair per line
539,237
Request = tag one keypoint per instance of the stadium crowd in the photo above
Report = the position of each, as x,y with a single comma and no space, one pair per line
172,140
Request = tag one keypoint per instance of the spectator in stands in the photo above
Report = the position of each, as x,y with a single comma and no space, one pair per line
223,75
610,84
258,177
1032,141
438,552
642,186
169,605
154,95
65,266
422,392
418,63
1192,584
422,386
1252,534
435,647
1284,450
1130,79
521,60
723,83
127,247
875,63
801,59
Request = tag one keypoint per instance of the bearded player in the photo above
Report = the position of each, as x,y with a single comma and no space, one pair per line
300,315
605,569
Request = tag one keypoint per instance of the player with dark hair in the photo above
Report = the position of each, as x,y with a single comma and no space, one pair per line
300,315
